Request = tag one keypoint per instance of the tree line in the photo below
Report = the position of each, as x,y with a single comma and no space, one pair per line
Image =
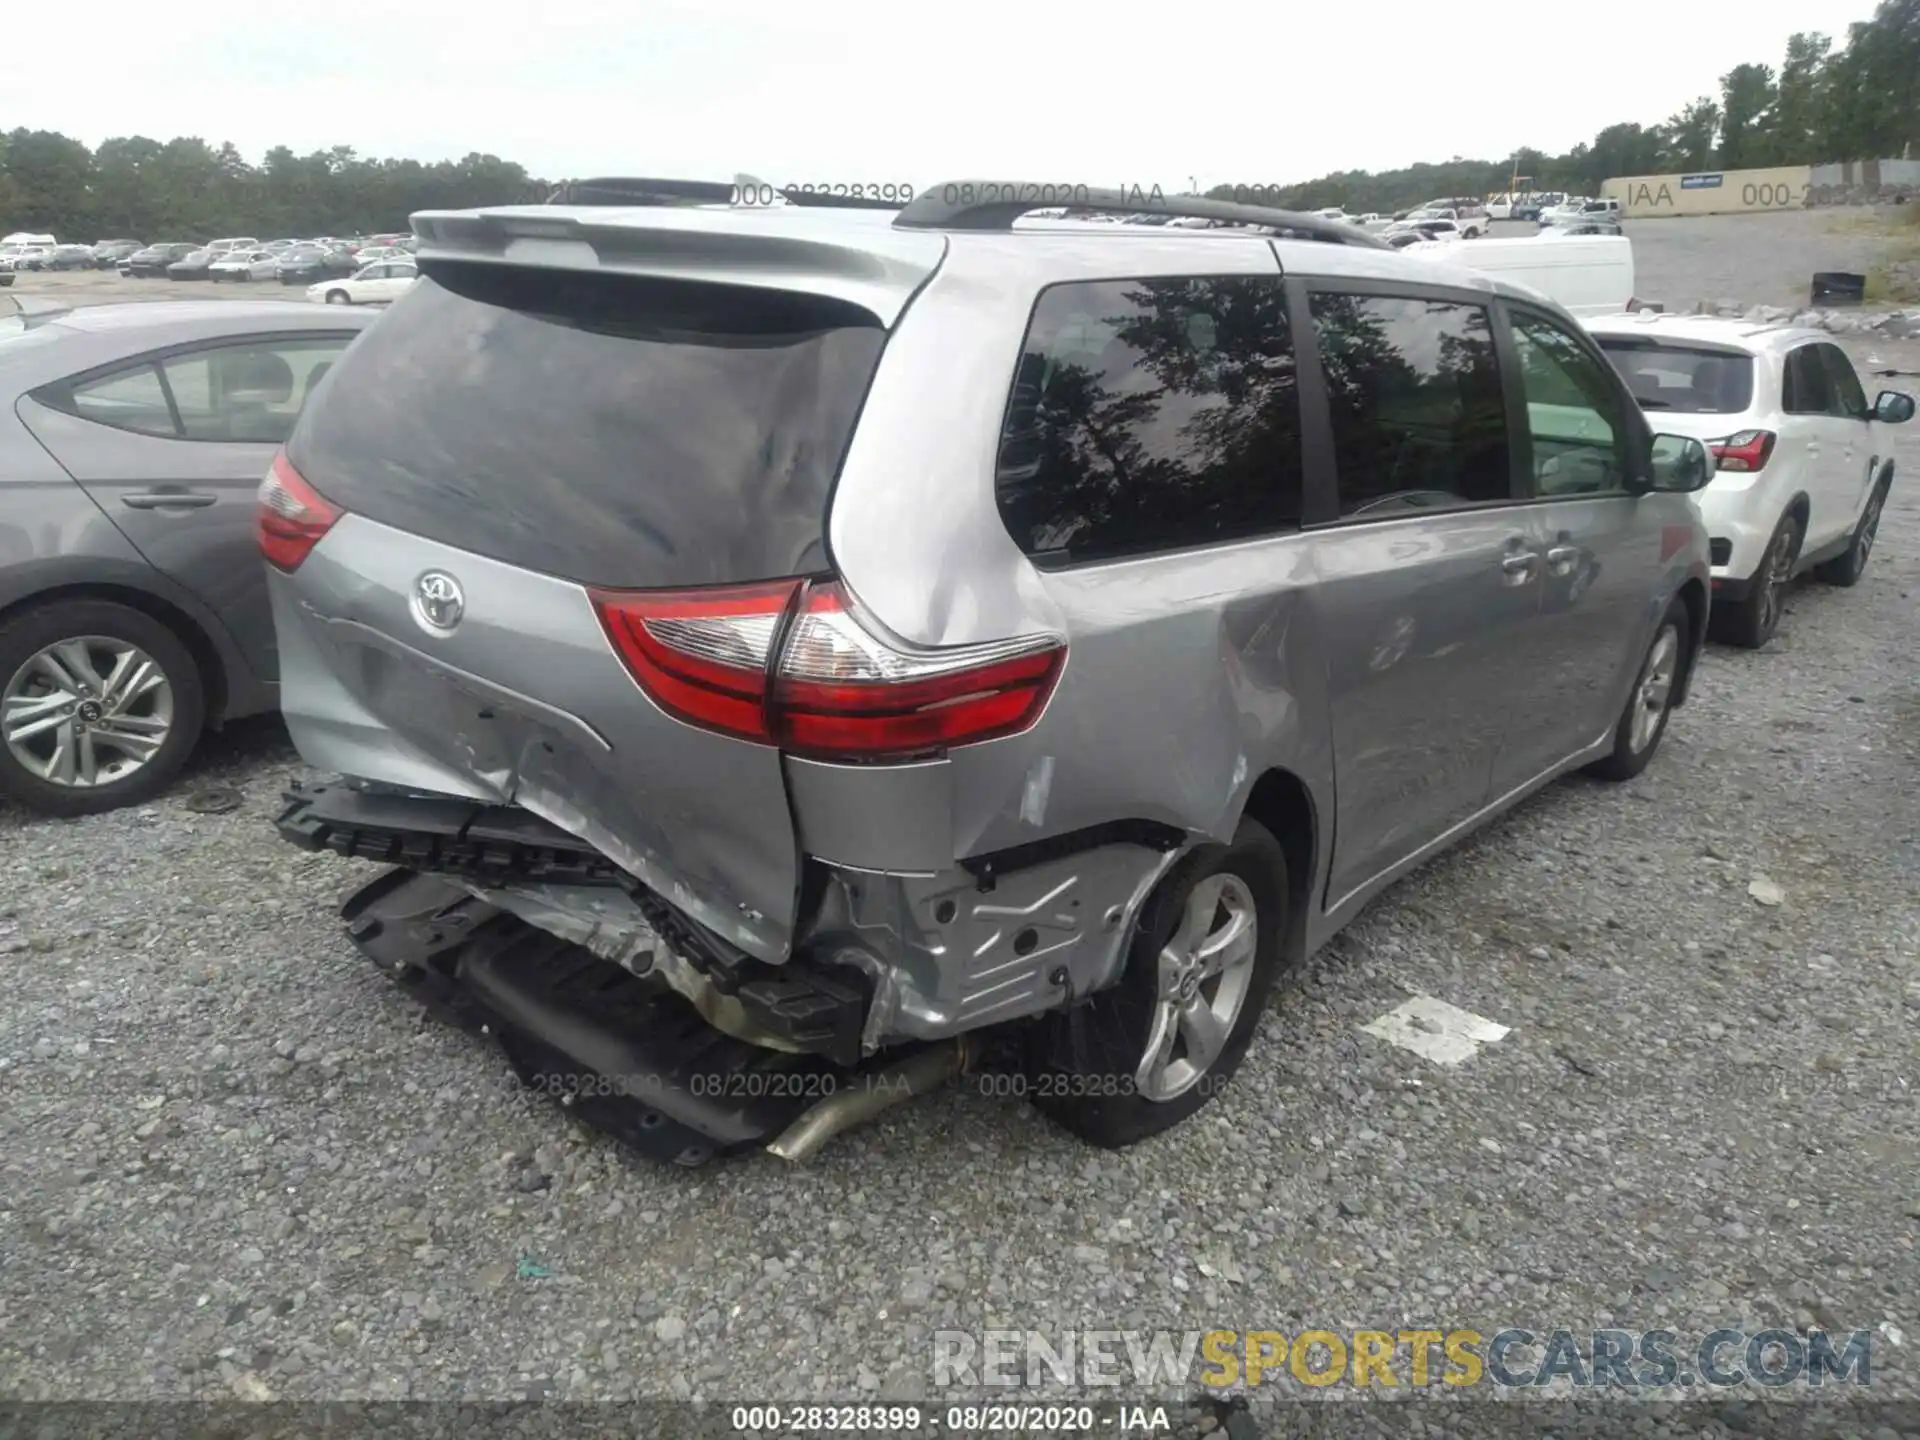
136,188
1856,100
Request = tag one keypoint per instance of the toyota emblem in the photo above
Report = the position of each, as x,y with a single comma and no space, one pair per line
438,602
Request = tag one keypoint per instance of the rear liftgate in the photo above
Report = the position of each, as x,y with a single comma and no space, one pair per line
614,1043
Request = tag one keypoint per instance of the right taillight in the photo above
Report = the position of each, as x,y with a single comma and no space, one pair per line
789,663
292,516
1746,451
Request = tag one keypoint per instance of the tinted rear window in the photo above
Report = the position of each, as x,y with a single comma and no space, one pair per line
1679,378
613,430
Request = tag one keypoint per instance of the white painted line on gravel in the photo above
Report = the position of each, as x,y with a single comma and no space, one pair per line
1436,1031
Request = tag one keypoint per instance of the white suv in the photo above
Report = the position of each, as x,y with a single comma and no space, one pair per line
1804,461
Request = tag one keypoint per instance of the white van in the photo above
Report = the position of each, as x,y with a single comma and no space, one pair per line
1588,274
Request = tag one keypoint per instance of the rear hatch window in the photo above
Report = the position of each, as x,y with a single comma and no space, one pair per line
1687,379
613,430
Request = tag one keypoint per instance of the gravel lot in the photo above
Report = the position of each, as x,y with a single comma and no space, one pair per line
234,1161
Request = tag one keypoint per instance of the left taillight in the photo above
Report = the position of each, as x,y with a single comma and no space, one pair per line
292,516
789,663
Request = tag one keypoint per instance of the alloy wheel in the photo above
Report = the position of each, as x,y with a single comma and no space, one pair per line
1869,527
1775,574
1655,688
86,711
1205,972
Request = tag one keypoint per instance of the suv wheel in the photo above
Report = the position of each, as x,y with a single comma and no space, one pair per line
1644,721
1142,1056
100,705
1846,570
1750,623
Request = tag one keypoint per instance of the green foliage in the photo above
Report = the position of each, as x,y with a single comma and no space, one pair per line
1859,102
136,188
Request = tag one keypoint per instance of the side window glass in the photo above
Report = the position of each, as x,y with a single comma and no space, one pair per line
1850,397
1414,391
1151,415
1574,414
127,400
247,392
1807,389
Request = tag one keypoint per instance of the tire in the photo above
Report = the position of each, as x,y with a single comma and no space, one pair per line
175,709
1642,723
1750,623
1846,570
339,297
1085,1065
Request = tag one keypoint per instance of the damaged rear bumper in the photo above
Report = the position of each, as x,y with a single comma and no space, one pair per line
881,959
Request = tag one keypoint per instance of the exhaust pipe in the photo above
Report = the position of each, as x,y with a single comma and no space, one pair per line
881,1091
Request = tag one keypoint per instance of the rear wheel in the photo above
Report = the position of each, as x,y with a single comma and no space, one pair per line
1142,1056
338,297
1750,623
1846,570
100,706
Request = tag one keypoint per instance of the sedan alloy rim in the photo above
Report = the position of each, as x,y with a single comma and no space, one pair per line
87,711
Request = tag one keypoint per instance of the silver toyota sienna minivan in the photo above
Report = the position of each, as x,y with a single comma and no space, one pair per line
787,656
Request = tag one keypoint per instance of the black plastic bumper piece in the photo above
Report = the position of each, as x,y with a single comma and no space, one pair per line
815,1008
626,1056
442,834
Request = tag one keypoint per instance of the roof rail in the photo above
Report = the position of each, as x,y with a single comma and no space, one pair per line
745,192
1002,205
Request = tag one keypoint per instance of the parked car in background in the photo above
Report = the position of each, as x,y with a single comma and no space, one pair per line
193,265
233,242
1805,461
1402,236
109,253
307,262
68,257
26,257
367,254
132,606
243,265
1575,227
1581,211
1588,276
277,246
152,261
380,283
1530,207
394,237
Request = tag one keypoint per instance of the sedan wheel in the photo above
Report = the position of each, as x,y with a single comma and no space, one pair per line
100,705
338,297
87,711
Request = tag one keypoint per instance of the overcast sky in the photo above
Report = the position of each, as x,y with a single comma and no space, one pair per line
844,91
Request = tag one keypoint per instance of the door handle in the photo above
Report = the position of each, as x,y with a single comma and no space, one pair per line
1519,568
168,500
1561,558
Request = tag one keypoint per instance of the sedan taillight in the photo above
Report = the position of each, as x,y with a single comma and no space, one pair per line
292,516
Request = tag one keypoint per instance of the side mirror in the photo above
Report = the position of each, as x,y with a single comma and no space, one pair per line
1680,465
1892,407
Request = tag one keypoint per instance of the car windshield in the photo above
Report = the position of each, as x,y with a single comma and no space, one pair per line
1686,379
